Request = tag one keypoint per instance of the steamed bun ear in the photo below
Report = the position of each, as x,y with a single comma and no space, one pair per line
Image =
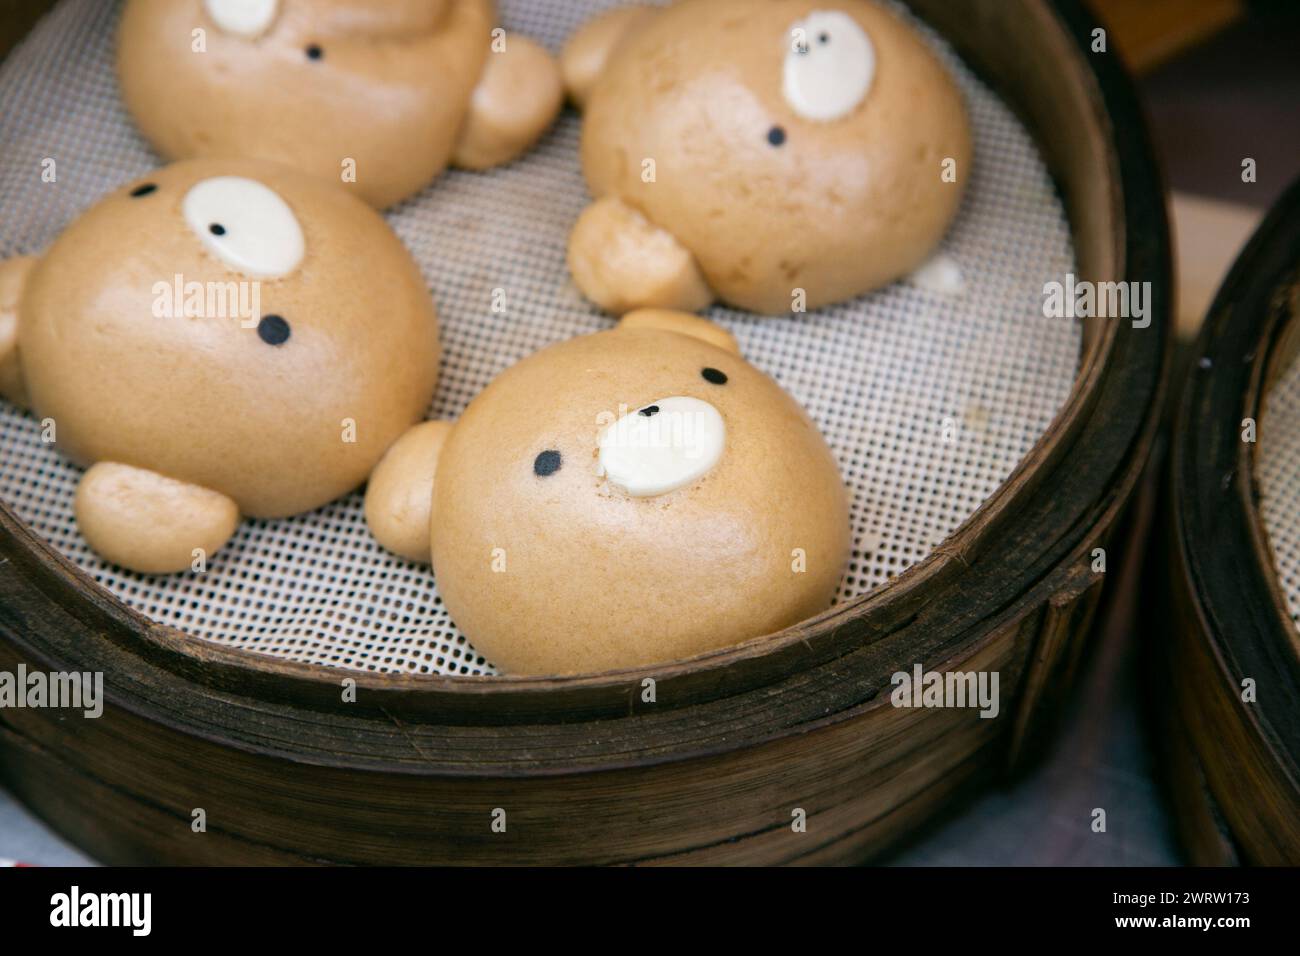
399,495
683,323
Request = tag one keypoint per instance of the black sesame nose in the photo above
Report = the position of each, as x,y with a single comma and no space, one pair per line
217,229
650,411
314,52
776,136
273,330
143,189
714,377
547,464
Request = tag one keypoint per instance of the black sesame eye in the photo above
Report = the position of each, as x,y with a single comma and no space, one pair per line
776,136
217,229
714,377
547,464
314,52
824,38
650,411
143,190
273,330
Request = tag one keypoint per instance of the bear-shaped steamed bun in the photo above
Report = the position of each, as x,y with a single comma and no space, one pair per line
380,96
776,155
219,338
627,498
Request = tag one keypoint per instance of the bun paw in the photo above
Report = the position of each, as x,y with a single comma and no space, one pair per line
517,99
589,50
399,496
621,261
151,524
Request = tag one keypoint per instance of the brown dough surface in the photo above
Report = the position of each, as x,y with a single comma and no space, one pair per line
390,90
597,580
838,209
206,400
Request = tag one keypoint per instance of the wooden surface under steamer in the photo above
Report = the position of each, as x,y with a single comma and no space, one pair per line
1231,621
587,773
1151,32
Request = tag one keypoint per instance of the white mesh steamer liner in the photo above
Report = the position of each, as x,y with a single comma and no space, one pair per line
929,399
1278,463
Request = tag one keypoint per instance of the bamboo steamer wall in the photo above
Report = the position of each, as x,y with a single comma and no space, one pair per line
1235,763
711,772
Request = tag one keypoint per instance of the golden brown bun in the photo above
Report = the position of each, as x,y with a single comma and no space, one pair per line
389,88
207,400
836,207
564,573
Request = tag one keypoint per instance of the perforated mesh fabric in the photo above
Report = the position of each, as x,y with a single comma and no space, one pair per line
1277,464
929,399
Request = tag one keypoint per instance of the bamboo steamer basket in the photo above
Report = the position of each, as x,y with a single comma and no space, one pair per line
1232,713
738,742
